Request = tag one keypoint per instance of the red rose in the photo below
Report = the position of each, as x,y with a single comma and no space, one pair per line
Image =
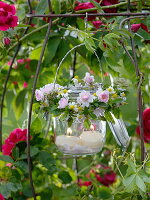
136,27
1,197
109,3
106,177
146,123
84,183
97,24
15,136
83,6
7,18
7,148
6,41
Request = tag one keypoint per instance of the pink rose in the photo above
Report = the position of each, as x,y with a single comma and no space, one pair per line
1,197
63,102
103,96
6,41
7,18
88,79
146,122
85,98
25,85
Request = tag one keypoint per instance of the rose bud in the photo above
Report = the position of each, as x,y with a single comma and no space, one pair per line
6,41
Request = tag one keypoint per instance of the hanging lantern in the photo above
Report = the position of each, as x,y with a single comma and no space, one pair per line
80,111
79,137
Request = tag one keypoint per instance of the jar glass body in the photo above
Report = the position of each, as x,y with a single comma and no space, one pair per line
79,139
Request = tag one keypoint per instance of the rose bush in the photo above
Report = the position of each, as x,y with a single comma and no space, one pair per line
7,16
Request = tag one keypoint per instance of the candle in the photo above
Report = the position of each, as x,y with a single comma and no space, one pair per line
91,139
89,142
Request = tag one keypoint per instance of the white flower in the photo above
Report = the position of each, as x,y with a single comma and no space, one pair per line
73,106
63,102
99,112
110,90
88,79
76,82
39,95
85,98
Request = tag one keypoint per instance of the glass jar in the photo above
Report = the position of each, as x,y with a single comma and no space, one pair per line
77,139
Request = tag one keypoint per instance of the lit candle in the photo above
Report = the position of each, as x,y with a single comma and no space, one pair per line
69,131
92,138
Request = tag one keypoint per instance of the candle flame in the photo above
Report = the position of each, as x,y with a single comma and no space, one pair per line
69,131
92,127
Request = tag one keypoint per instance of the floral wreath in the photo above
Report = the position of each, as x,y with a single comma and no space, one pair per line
88,105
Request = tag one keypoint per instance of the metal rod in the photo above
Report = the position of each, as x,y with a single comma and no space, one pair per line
89,14
31,102
139,92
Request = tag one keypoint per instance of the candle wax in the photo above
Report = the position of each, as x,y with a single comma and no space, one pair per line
91,139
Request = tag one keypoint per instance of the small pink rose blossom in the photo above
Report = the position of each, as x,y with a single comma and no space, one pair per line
63,102
9,164
20,61
25,85
39,95
103,96
85,98
88,78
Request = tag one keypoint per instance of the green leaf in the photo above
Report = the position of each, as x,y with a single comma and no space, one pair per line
33,151
104,192
130,183
18,103
52,46
15,152
65,177
140,183
148,22
22,165
89,43
46,194
97,5
56,4
41,7
36,125
46,159
132,165
6,158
